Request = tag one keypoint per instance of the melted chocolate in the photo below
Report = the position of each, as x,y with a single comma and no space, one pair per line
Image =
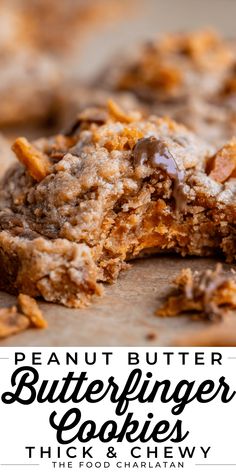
155,152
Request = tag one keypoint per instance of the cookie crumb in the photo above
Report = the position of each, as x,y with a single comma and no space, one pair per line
151,336
12,322
208,295
18,318
30,309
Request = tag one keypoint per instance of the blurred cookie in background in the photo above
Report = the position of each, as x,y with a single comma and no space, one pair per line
29,88
55,27
184,76
59,26
38,39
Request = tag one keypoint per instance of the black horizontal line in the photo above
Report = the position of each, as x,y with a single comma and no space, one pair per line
18,464
215,464
2,358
